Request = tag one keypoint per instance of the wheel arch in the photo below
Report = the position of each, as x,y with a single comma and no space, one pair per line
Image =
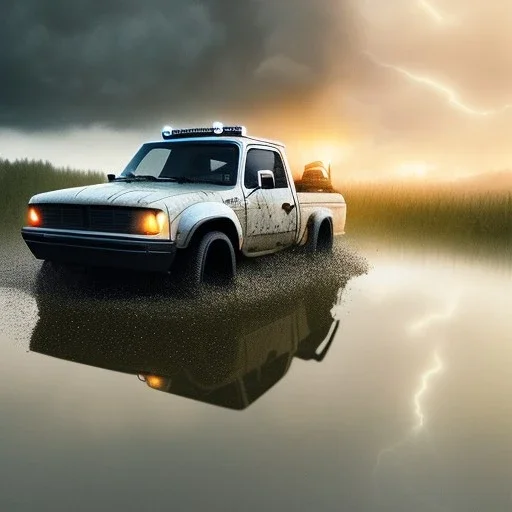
204,217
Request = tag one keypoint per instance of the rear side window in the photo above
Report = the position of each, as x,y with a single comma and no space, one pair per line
264,160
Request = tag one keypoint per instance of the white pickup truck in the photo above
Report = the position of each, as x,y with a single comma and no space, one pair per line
201,196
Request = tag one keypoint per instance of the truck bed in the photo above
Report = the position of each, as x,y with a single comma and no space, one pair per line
310,201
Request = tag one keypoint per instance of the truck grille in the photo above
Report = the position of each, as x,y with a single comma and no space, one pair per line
112,219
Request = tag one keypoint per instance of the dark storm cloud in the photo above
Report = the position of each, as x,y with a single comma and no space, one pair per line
129,62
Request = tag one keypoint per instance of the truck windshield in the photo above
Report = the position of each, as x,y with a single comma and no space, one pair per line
185,162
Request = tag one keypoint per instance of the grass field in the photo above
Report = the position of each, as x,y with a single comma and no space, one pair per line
443,212
21,179
432,211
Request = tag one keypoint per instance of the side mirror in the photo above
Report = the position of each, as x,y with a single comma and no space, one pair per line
266,180
111,177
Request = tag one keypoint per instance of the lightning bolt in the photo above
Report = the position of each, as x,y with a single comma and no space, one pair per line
431,11
451,95
438,366
421,325
418,411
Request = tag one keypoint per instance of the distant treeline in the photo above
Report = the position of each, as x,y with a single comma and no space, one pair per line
431,211
21,179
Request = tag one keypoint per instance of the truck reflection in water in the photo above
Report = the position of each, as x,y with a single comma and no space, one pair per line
247,366
218,349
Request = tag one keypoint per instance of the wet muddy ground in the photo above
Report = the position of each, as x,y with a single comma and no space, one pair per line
378,379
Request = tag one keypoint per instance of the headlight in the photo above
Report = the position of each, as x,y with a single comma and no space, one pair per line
156,382
153,223
34,217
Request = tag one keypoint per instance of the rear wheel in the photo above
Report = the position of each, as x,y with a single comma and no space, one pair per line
320,238
209,260
325,238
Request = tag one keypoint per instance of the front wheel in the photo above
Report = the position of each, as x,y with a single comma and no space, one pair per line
209,260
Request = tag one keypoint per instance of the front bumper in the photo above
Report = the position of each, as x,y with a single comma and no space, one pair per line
100,250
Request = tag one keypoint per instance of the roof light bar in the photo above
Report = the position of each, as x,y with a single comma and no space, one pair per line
166,131
217,129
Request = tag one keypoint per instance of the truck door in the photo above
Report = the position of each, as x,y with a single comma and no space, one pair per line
271,214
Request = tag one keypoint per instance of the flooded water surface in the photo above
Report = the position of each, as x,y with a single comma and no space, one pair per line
376,380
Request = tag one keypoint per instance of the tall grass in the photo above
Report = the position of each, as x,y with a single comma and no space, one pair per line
21,179
431,211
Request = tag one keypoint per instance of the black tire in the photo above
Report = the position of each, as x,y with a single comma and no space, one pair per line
320,239
325,238
209,260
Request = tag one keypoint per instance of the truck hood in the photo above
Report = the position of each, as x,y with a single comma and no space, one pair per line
131,194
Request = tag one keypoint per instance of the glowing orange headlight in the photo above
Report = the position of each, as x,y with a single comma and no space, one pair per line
34,217
153,223
155,382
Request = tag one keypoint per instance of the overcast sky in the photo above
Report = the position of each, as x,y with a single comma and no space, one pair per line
401,87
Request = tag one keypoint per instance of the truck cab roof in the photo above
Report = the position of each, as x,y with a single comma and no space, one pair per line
245,140
214,133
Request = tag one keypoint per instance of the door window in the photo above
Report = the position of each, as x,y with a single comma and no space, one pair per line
263,160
